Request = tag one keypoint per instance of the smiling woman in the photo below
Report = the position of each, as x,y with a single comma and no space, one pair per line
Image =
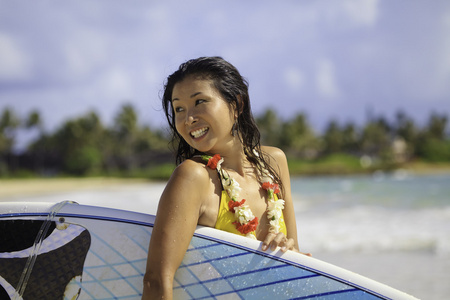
204,117
224,179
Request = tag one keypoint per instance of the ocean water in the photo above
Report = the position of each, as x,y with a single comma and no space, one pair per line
374,214
394,228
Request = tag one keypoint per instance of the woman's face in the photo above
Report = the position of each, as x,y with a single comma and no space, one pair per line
202,117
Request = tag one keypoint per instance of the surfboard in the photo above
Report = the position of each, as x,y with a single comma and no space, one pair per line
71,251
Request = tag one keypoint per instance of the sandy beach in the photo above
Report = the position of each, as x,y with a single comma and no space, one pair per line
11,188
138,195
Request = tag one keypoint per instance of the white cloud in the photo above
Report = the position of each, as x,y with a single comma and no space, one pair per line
364,12
347,14
326,79
116,84
14,64
84,51
294,78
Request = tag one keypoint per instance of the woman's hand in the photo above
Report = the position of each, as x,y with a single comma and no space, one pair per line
274,240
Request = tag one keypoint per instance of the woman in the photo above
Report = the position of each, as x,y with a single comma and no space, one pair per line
224,178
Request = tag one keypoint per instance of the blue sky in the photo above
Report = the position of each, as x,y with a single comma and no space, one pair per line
329,59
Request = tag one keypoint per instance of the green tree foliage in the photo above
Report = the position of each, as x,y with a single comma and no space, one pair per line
78,143
406,130
340,139
131,146
350,139
295,136
333,138
34,121
125,134
299,139
376,138
9,122
84,145
436,127
8,125
270,127
432,143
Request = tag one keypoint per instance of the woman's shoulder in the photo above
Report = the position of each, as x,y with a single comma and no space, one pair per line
190,179
276,155
191,169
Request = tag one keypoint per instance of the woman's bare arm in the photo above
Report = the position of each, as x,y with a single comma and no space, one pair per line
278,162
176,220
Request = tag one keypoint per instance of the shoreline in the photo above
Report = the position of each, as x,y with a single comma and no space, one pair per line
18,187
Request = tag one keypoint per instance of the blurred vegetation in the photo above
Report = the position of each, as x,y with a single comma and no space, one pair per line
84,146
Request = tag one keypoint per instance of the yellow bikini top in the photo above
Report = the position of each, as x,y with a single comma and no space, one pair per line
225,217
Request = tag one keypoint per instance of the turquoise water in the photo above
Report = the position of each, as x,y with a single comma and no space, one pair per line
397,191
379,213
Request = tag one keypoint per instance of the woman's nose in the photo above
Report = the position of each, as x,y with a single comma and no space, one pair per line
190,119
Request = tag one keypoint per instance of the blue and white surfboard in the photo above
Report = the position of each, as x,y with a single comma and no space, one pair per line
75,251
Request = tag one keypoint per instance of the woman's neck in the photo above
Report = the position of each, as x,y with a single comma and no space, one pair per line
234,159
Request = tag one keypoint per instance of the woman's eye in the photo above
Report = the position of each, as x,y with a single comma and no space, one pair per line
199,101
178,109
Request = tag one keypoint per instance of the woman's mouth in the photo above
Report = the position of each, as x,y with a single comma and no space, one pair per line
199,132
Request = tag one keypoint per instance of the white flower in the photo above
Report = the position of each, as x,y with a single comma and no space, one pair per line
226,179
243,214
274,226
233,189
274,213
219,164
275,209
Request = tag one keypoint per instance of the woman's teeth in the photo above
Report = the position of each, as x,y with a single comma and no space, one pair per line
198,133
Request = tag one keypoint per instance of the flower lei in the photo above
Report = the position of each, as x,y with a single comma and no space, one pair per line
246,223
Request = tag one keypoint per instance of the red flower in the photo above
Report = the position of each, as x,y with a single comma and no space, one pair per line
266,185
276,188
271,186
232,204
248,227
212,162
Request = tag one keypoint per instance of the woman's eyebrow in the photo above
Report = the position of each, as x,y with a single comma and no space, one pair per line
192,96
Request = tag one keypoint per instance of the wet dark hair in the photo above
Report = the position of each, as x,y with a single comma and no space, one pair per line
234,89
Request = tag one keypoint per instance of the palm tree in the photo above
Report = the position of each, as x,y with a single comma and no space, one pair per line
299,139
333,138
8,125
375,139
125,135
34,120
436,126
269,126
